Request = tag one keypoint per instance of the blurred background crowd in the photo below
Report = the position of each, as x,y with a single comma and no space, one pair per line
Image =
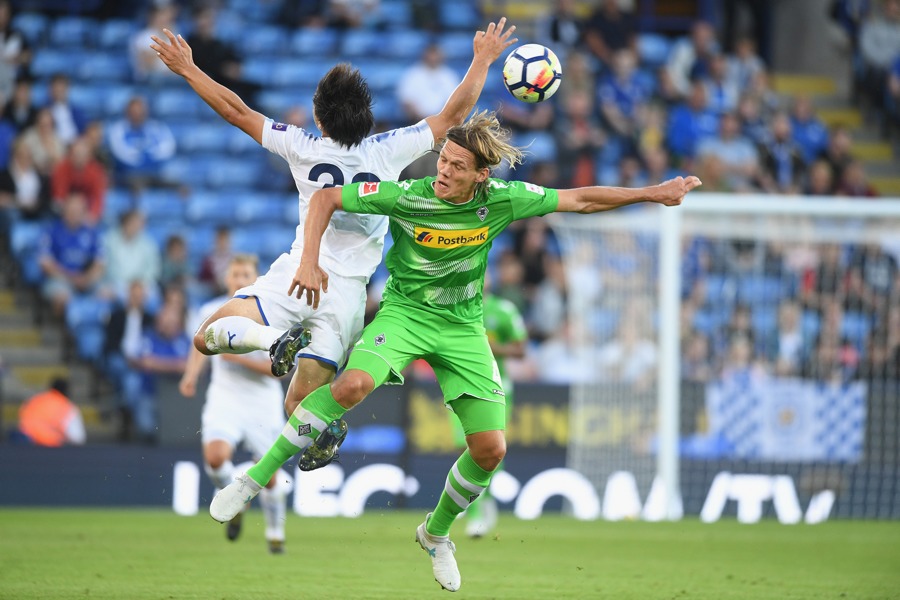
123,197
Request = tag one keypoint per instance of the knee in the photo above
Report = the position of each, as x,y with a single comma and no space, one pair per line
351,388
488,454
215,458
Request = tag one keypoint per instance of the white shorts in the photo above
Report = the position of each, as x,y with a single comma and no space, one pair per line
334,326
256,419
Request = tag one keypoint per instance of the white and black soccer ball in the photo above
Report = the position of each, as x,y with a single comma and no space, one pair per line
532,73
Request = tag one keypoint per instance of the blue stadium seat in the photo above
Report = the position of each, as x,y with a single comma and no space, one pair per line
25,238
118,200
175,103
299,72
764,320
540,145
456,46
86,318
33,26
115,34
115,98
233,172
855,327
810,324
382,75
653,49
259,208
362,42
238,142
462,14
90,99
47,62
161,230
760,289
211,208
75,32
259,69
162,204
603,323
314,42
103,66
404,45
202,137
387,108
264,39
397,13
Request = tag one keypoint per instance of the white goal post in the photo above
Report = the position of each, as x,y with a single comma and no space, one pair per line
768,224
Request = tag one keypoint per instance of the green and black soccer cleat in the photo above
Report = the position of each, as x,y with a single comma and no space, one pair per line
285,349
324,449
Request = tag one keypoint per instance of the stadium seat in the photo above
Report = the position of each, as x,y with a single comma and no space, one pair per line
115,34
764,320
459,15
161,204
238,142
73,32
456,46
47,62
161,230
210,208
86,318
234,173
118,200
388,109
116,97
24,240
855,327
264,39
810,323
299,72
362,42
760,289
539,145
314,42
603,323
259,208
103,66
202,137
33,26
259,69
175,103
720,289
403,45
653,49
382,75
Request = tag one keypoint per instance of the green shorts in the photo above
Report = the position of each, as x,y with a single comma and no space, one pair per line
459,353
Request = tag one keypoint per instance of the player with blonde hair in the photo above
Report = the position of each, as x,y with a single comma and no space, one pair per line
442,228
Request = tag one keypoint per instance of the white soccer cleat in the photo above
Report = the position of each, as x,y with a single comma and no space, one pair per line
441,551
485,522
230,500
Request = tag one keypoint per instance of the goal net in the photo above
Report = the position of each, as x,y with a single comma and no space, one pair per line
737,355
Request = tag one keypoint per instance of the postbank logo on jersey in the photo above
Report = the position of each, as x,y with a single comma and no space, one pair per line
450,238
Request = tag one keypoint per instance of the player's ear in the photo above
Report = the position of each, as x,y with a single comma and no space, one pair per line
482,175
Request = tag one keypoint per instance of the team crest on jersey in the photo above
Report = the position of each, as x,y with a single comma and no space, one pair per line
379,339
279,126
368,188
482,212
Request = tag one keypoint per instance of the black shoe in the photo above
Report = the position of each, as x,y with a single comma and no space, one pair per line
324,449
233,529
276,546
285,349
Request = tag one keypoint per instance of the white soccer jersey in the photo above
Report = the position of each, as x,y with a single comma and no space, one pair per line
248,385
352,244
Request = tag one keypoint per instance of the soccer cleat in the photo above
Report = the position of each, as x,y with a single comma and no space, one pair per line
230,500
441,551
481,524
284,350
324,449
233,529
276,546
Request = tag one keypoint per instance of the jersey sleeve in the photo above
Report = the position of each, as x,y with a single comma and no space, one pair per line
371,197
530,200
287,141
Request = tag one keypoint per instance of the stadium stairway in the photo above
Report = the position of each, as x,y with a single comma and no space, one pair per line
32,354
833,108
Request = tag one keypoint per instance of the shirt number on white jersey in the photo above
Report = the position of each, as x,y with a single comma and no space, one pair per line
337,176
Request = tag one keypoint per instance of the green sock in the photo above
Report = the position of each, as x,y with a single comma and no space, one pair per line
465,482
313,414
474,510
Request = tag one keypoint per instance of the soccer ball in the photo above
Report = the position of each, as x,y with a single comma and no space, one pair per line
532,73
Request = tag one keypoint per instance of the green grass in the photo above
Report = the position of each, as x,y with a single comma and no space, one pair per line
134,554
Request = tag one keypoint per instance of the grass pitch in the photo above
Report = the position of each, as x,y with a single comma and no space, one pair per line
137,554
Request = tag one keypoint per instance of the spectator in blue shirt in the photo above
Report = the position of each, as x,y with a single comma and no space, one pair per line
721,91
164,351
740,161
691,122
140,146
809,132
71,257
622,95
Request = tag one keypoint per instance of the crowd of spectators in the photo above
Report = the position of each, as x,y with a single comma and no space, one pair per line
624,116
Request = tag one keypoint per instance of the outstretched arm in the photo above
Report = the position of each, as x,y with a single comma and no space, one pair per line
192,369
487,46
599,198
178,57
310,278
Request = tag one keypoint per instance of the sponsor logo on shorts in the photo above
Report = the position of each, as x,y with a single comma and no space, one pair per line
279,126
304,429
451,238
379,339
482,212
368,188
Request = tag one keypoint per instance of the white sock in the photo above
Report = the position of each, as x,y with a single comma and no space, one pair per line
274,506
221,476
240,335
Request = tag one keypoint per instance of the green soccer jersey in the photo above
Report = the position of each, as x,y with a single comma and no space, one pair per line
503,324
440,250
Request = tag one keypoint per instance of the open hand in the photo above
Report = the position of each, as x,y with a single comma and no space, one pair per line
490,43
309,278
177,55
